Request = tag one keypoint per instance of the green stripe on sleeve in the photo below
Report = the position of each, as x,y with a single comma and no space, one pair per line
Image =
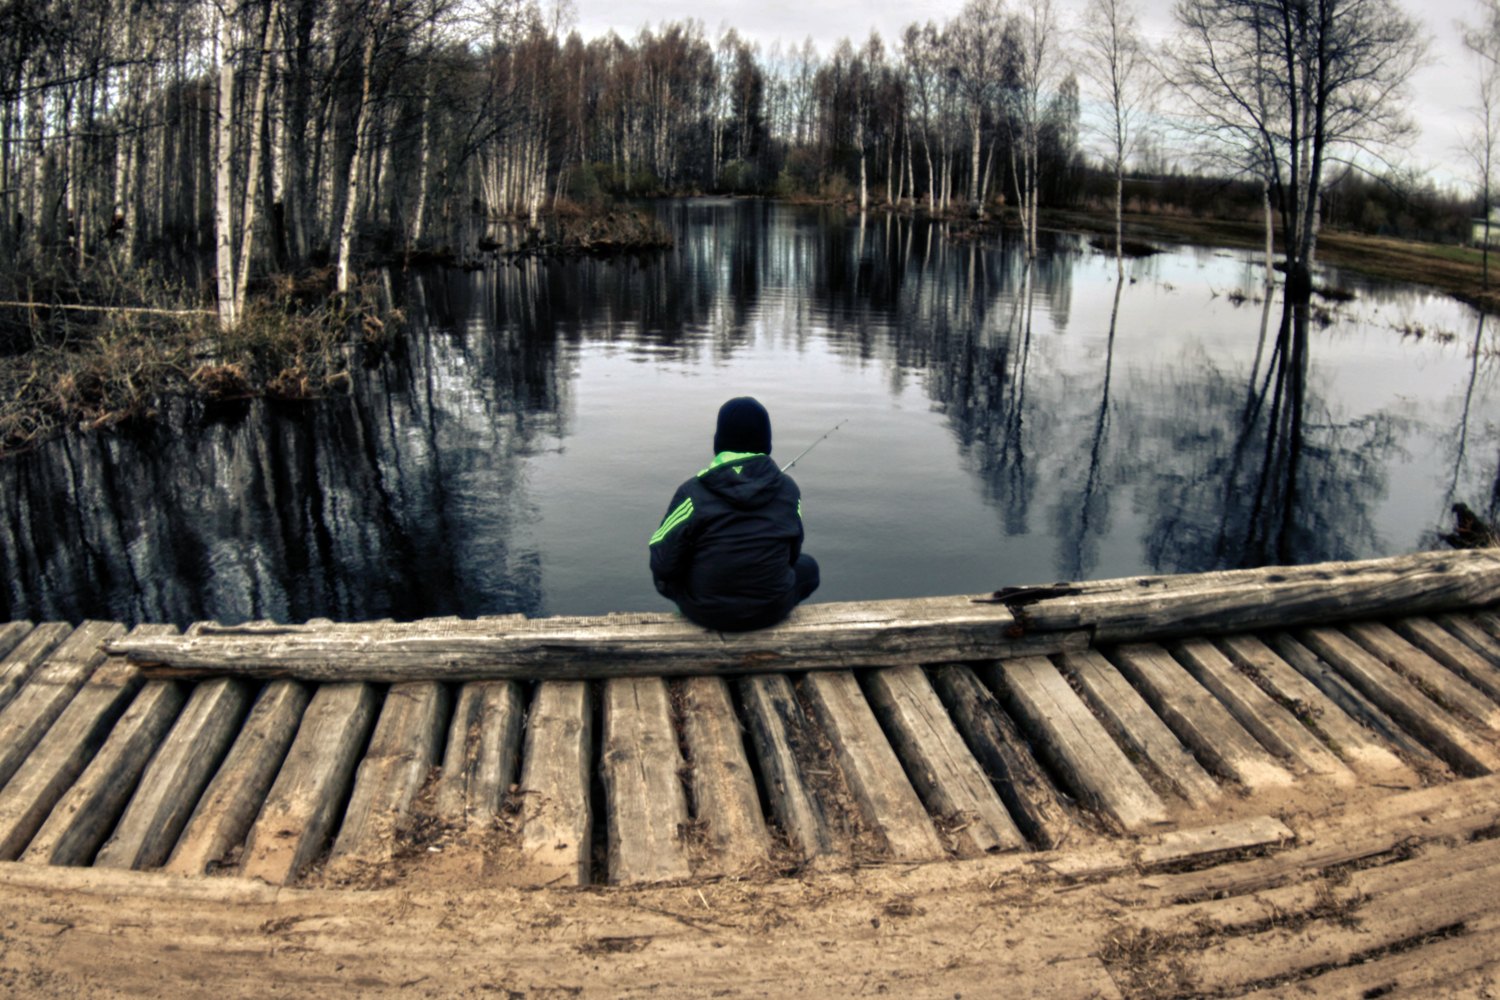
679,516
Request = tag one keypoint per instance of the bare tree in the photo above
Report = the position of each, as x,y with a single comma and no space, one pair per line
1286,85
1039,67
979,53
1117,67
1478,143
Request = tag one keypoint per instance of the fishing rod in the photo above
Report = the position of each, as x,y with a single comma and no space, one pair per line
813,445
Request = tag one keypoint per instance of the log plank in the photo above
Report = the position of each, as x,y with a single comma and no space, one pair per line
1197,718
301,808
11,634
229,804
1314,709
1349,699
1470,634
557,820
402,752
641,767
1005,756
1382,919
483,752
1488,620
724,796
1441,684
52,686
1455,968
1452,652
1073,741
61,755
176,776
86,813
1113,697
1275,727
1453,810
836,636
945,774
1403,701
787,750
885,797
26,654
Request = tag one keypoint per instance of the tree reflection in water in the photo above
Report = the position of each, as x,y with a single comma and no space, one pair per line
1013,422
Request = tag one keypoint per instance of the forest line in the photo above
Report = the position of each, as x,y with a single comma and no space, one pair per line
278,134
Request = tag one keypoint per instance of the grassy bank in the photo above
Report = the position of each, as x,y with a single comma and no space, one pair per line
74,363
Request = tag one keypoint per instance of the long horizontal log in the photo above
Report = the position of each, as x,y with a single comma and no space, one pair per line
1055,619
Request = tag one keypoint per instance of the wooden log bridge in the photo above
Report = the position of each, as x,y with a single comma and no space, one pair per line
1008,624
1188,753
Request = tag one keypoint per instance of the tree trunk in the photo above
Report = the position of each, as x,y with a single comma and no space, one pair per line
267,62
351,198
223,168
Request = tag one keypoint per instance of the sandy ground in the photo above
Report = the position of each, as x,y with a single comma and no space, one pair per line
452,915
971,929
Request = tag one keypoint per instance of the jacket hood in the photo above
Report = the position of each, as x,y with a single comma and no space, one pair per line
745,480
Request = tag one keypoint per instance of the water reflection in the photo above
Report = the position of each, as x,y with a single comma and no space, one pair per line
1008,423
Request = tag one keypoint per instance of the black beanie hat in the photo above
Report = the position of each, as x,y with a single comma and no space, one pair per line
744,426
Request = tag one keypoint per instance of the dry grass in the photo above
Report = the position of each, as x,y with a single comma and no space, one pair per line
69,369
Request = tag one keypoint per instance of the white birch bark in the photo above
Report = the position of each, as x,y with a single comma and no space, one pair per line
351,201
252,173
223,166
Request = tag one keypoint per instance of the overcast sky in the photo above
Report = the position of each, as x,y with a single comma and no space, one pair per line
1441,91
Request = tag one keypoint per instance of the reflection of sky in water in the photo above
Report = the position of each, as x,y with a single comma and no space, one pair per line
522,445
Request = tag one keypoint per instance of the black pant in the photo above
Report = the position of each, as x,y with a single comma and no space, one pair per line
808,578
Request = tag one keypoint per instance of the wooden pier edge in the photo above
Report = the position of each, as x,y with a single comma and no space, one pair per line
832,636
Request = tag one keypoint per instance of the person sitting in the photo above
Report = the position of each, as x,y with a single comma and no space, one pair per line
729,550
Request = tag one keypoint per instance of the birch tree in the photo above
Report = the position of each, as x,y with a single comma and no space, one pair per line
1286,85
1116,65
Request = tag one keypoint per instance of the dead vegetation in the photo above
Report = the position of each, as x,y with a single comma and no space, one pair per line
87,369
584,234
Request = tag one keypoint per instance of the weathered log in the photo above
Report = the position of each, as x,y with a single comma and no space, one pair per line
557,818
1464,752
640,765
27,653
1349,698
1452,652
50,690
1276,728
885,797
834,636
484,749
1073,741
1197,717
1314,709
1441,684
1112,697
938,762
11,635
299,812
725,802
177,775
229,805
84,816
1005,756
61,755
788,751
402,751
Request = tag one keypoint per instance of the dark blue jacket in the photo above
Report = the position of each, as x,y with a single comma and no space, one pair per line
725,550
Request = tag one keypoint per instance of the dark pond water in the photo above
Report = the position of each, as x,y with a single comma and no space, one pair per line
1004,425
